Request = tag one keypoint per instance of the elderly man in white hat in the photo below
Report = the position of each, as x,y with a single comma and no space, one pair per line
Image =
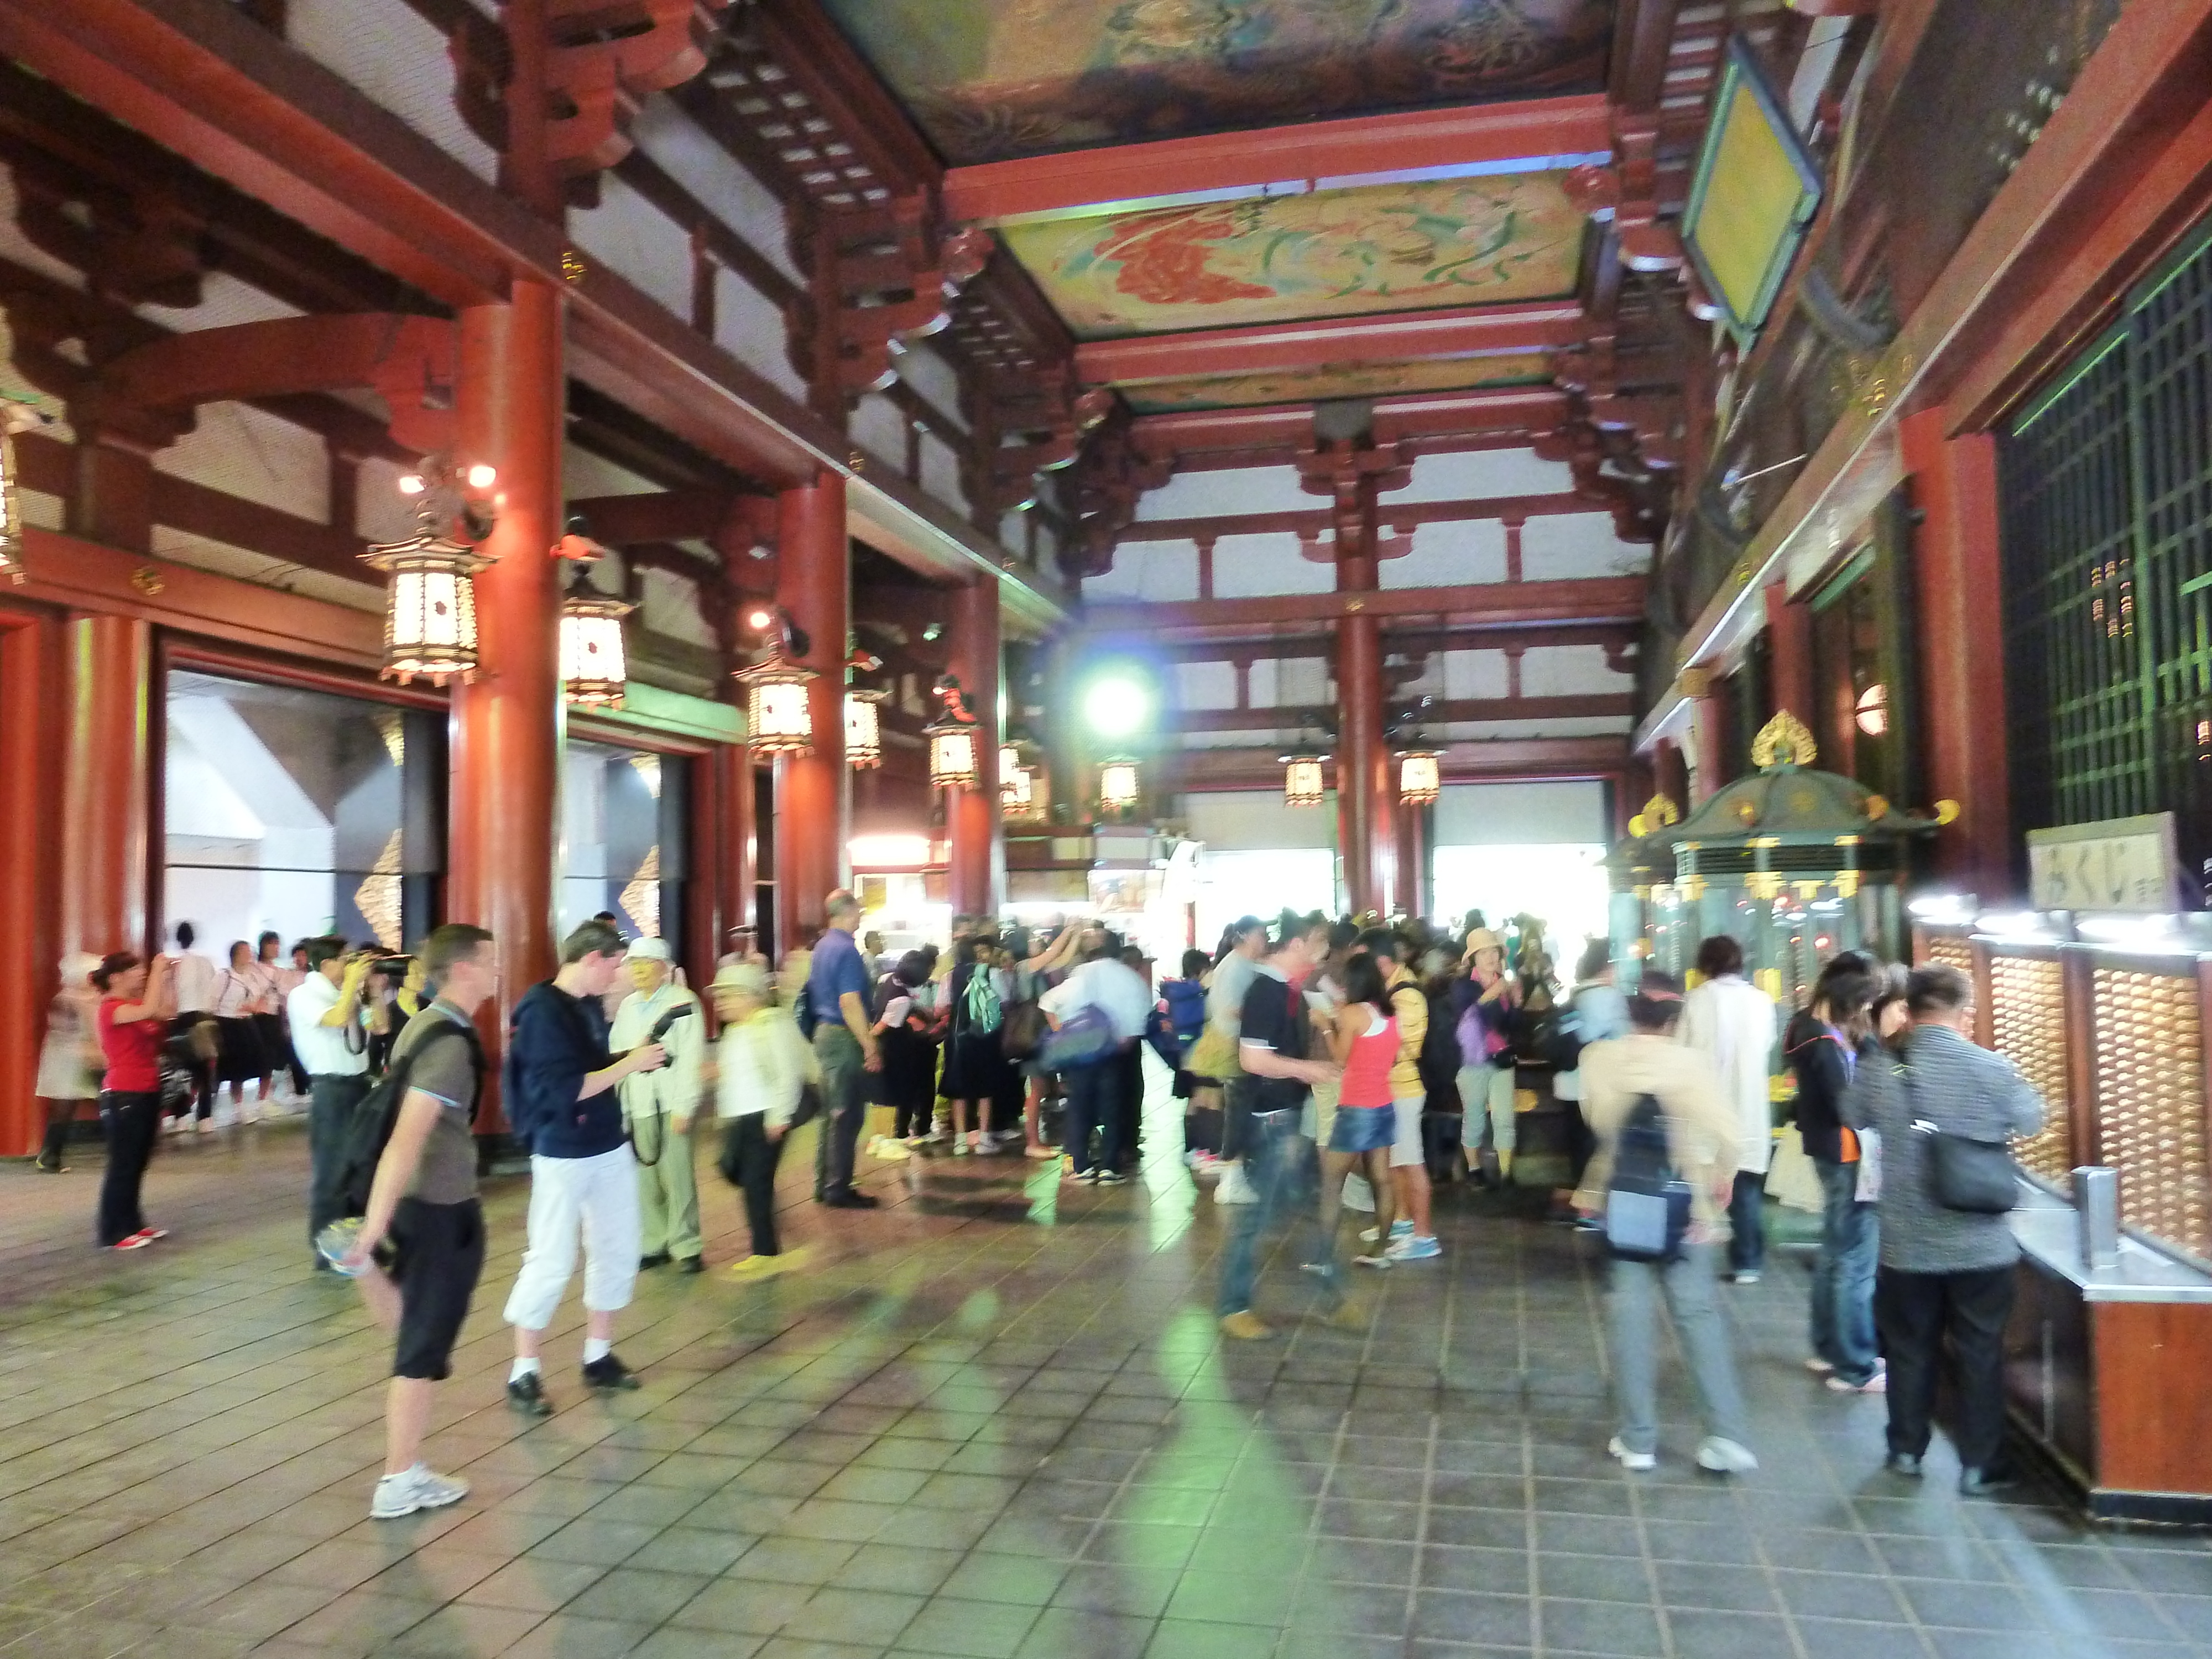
660,1104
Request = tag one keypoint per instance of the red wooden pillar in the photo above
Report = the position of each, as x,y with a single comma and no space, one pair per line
1961,647
1413,875
1789,661
507,724
1704,764
813,793
972,815
30,780
721,896
107,784
1362,792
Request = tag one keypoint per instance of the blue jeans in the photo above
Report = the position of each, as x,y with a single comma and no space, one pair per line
1843,1275
1274,1151
1746,1214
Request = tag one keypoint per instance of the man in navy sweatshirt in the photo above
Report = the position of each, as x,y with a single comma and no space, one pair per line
561,1089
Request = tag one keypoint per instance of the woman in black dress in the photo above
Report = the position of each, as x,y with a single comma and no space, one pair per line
907,1083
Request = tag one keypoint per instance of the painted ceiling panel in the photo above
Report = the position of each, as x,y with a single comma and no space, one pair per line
1331,254
1445,555
1206,685
1580,544
1336,381
988,79
1247,567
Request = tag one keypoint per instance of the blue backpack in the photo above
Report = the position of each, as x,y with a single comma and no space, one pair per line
1647,1207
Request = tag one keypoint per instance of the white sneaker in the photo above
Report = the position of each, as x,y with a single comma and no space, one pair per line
1631,1459
415,1489
1725,1457
1233,1188
1398,1229
1819,1366
1878,1384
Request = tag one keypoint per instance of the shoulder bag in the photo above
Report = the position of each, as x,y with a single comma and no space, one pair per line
1975,1177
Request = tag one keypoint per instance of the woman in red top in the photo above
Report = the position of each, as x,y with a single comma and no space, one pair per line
136,1007
1365,1043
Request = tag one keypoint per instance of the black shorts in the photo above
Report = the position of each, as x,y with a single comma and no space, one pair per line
438,1252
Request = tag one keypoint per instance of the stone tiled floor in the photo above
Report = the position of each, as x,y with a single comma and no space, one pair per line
991,1421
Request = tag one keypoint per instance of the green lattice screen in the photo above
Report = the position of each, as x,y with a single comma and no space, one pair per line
2107,525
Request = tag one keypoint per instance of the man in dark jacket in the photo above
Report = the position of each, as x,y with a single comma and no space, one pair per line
1824,1046
562,1099
1942,1270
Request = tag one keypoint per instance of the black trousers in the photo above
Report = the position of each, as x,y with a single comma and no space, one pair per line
330,1100
748,1161
1129,1098
133,1123
1915,1312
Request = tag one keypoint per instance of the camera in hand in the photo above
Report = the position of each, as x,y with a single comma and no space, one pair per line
682,1010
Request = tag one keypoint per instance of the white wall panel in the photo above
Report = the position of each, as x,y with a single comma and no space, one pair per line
240,451
878,426
1448,555
723,185
1561,545
924,368
1249,566
1252,820
1149,570
940,473
1569,670
749,327
1208,494
638,242
398,60
1519,814
1482,474
1474,674
1300,681
1205,685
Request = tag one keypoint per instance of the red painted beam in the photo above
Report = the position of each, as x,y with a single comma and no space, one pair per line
1530,326
1490,760
1316,154
671,516
1230,645
1517,410
1403,519
1594,599
1586,705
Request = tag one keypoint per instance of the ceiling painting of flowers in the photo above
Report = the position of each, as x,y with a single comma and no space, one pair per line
1330,253
1337,380
987,79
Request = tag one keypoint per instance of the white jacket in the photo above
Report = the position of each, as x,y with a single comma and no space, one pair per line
763,1063
675,1087
1734,1022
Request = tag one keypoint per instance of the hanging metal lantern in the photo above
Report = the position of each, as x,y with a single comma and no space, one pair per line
1420,779
1305,779
864,729
429,604
1117,785
955,759
779,716
594,669
1017,785
952,762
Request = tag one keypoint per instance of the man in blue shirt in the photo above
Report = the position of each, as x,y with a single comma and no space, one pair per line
837,987
562,1089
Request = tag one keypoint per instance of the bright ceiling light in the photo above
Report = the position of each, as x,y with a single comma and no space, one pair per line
1117,706
482,475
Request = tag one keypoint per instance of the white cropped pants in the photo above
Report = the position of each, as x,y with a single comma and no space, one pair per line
594,1199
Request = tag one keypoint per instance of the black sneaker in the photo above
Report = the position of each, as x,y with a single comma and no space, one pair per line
608,1375
851,1201
690,1264
527,1395
657,1259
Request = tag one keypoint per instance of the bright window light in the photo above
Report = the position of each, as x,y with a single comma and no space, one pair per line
1564,883
1117,706
888,852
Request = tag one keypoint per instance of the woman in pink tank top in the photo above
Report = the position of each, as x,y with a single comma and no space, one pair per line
1365,1043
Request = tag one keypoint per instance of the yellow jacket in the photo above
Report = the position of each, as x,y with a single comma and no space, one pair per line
1411,1005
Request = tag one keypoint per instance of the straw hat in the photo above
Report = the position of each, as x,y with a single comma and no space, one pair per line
1481,939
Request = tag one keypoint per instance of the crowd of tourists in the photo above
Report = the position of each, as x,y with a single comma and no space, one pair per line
1323,1067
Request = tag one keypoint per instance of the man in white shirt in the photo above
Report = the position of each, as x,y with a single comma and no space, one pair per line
661,1105
1733,1022
323,1012
193,976
1098,1095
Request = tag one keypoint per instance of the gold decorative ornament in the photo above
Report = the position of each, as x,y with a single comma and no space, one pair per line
572,268
1694,683
1877,806
1658,813
1847,883
1947,811
1746,812
148,580
1637,827
1784,741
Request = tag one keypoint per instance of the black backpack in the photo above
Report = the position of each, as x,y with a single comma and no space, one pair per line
1647,1204
369,1129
